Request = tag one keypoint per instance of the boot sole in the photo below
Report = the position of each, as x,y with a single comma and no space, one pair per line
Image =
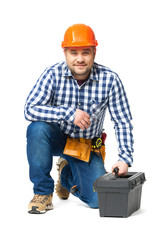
35,211
62,194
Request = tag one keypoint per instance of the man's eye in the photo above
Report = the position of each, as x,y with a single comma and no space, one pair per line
73,53
85,53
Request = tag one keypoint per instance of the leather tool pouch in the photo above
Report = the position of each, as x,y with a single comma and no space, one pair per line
78,148
81,148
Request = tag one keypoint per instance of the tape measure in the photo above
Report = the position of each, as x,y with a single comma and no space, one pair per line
96,142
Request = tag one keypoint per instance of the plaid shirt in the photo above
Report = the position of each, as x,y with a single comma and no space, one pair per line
56,96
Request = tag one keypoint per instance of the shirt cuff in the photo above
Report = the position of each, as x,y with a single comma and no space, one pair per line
125,158
70,114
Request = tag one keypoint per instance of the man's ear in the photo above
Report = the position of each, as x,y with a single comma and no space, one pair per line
65,52
95,50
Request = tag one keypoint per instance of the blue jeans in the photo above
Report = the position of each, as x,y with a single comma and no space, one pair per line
46,140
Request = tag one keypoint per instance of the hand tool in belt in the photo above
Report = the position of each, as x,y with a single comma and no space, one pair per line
81,148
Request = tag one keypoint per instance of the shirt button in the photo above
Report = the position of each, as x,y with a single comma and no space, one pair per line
74,131
79,104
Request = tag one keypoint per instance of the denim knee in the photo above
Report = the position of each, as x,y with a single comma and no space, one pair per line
37,129
93,203
47,136
91,199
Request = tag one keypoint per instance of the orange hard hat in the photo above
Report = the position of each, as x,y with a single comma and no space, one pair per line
79,35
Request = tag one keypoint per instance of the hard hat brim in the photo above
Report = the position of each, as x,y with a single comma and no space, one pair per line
79,44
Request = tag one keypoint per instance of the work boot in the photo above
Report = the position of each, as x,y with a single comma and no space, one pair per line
40,204
60,190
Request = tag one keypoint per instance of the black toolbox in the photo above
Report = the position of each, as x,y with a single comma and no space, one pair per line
119,196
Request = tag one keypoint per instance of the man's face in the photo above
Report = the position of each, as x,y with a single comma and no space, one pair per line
80,61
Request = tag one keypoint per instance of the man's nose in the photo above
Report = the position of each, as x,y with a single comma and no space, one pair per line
80,58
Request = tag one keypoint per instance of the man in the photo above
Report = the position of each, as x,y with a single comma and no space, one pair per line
68,103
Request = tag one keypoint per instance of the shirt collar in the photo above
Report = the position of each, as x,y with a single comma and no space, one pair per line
67,71
93,75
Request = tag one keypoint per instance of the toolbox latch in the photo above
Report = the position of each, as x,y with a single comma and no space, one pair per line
143,179
137,182
133,184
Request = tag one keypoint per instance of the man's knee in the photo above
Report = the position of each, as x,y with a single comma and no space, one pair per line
93,203
91,199
37,130
47,136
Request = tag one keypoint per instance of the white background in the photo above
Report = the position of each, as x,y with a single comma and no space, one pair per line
128,36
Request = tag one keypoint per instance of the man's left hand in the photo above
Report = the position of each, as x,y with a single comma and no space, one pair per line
122,166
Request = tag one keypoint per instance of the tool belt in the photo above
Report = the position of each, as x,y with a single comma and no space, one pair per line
81,148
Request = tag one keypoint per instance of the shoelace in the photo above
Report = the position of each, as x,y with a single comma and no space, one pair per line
40,198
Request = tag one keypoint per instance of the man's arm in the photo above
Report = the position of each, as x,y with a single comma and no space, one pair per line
38,105
120,113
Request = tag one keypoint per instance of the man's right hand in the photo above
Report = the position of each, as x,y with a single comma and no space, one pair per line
82,119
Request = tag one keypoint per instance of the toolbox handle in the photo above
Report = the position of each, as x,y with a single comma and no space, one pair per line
115,170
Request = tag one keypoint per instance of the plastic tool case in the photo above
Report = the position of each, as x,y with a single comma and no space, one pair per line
119,196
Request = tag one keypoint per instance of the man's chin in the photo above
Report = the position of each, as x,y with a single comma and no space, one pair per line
81,72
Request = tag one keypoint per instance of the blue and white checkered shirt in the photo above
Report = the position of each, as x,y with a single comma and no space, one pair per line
56,96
